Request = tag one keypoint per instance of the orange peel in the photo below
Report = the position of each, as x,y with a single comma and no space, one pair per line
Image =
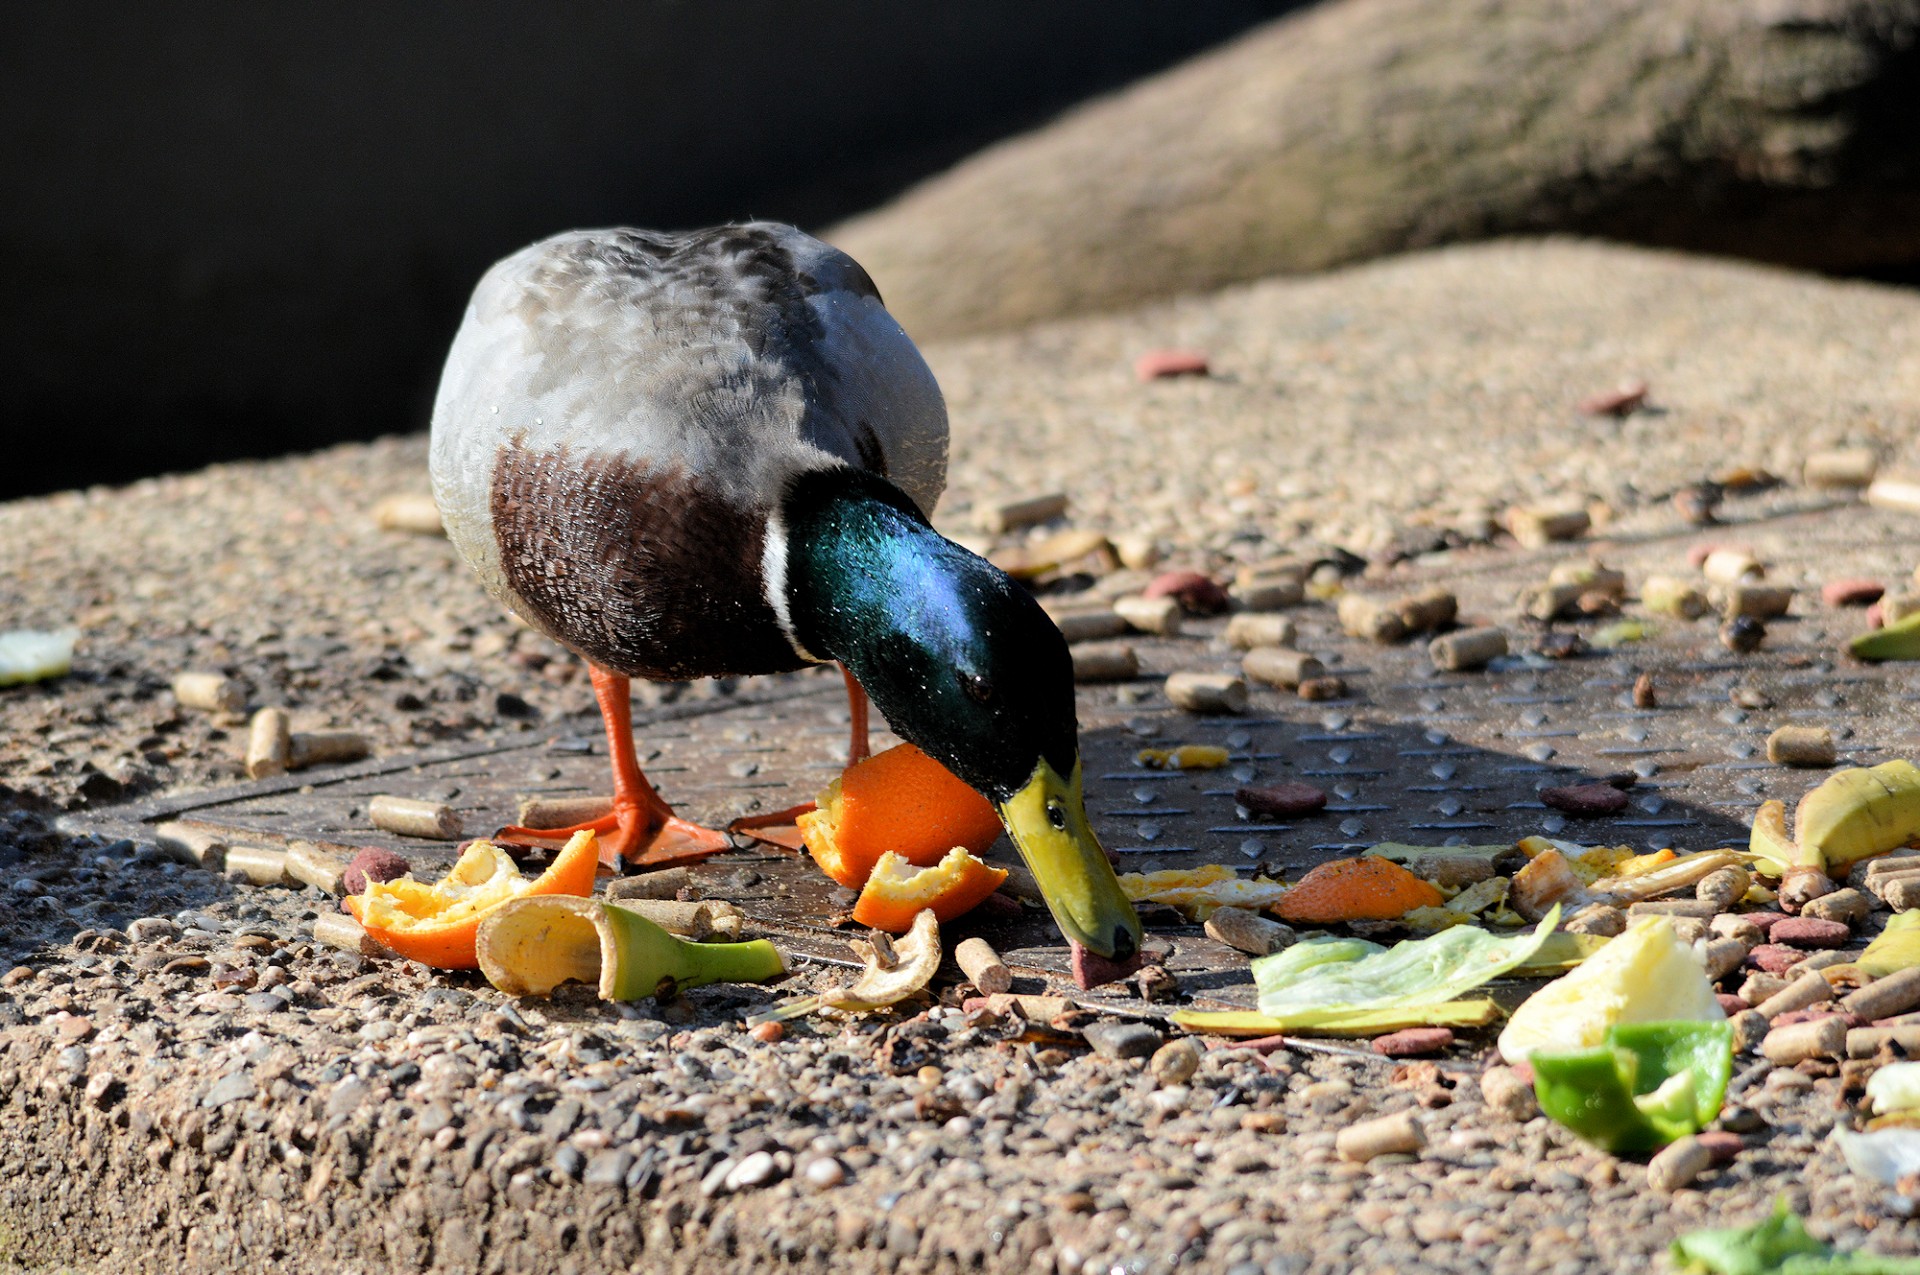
896,891
439,924
902,802
1364,889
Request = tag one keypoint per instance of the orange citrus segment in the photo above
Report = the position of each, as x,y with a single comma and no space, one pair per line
897,891
1367,889
900,801
439,924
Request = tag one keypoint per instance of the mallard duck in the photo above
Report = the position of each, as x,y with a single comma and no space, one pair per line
713,454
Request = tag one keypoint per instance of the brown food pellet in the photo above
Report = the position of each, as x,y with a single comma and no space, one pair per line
1815,1014
1411,1042
1155,365
1807,931
1775,958
1721,1144
1281,800
1764,920
1730,1004
1323,688
1851,593
1586,801
371,863
1091,970
1644,693
1621,402
768,1033
1195,591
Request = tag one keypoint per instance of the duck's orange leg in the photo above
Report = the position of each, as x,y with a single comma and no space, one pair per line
777,826
642,828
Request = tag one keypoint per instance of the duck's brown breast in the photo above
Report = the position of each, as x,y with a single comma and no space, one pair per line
646,571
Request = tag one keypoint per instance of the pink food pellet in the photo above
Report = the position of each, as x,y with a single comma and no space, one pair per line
1157,364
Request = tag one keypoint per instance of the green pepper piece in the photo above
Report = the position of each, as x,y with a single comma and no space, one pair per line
1647,1085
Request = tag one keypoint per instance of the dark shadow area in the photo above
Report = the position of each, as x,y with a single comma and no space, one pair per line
236,232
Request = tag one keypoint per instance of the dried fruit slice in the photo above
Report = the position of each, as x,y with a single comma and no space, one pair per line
900,801
1365,889
896,892
439,924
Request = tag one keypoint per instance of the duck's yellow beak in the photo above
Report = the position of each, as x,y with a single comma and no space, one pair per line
1048,822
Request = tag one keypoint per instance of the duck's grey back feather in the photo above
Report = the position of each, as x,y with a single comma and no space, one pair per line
730,358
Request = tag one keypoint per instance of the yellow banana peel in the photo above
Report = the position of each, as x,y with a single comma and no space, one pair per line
1772,846
1852,815
1856,814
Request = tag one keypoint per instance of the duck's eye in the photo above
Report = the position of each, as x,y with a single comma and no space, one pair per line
1057,816
978,688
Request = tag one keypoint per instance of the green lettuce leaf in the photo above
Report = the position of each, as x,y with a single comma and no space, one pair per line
1412,973
1779,1245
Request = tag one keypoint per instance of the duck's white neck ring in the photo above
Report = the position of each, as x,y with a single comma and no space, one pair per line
773,579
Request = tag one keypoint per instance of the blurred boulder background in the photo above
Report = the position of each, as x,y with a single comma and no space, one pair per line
234,229
1786,131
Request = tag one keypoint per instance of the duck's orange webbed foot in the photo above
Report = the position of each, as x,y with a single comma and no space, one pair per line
632,834
780,827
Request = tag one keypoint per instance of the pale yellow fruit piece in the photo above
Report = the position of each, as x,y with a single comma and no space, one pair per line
1773,849
1646,975
1855,814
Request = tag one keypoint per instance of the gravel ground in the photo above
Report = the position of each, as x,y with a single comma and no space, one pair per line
187,1077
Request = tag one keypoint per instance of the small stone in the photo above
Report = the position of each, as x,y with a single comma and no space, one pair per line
1412,1042
767,1033
1809,931
101,1087
371,863
1586,801
1397,1134
152,929
1851,592
756,1170
825,1173
1506,1093
236,1086
1116,1038
1743,636
1175,1062
74,1028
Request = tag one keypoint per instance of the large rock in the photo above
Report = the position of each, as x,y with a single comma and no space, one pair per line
1781,130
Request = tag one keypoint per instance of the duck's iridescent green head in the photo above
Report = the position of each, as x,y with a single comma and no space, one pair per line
966,666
